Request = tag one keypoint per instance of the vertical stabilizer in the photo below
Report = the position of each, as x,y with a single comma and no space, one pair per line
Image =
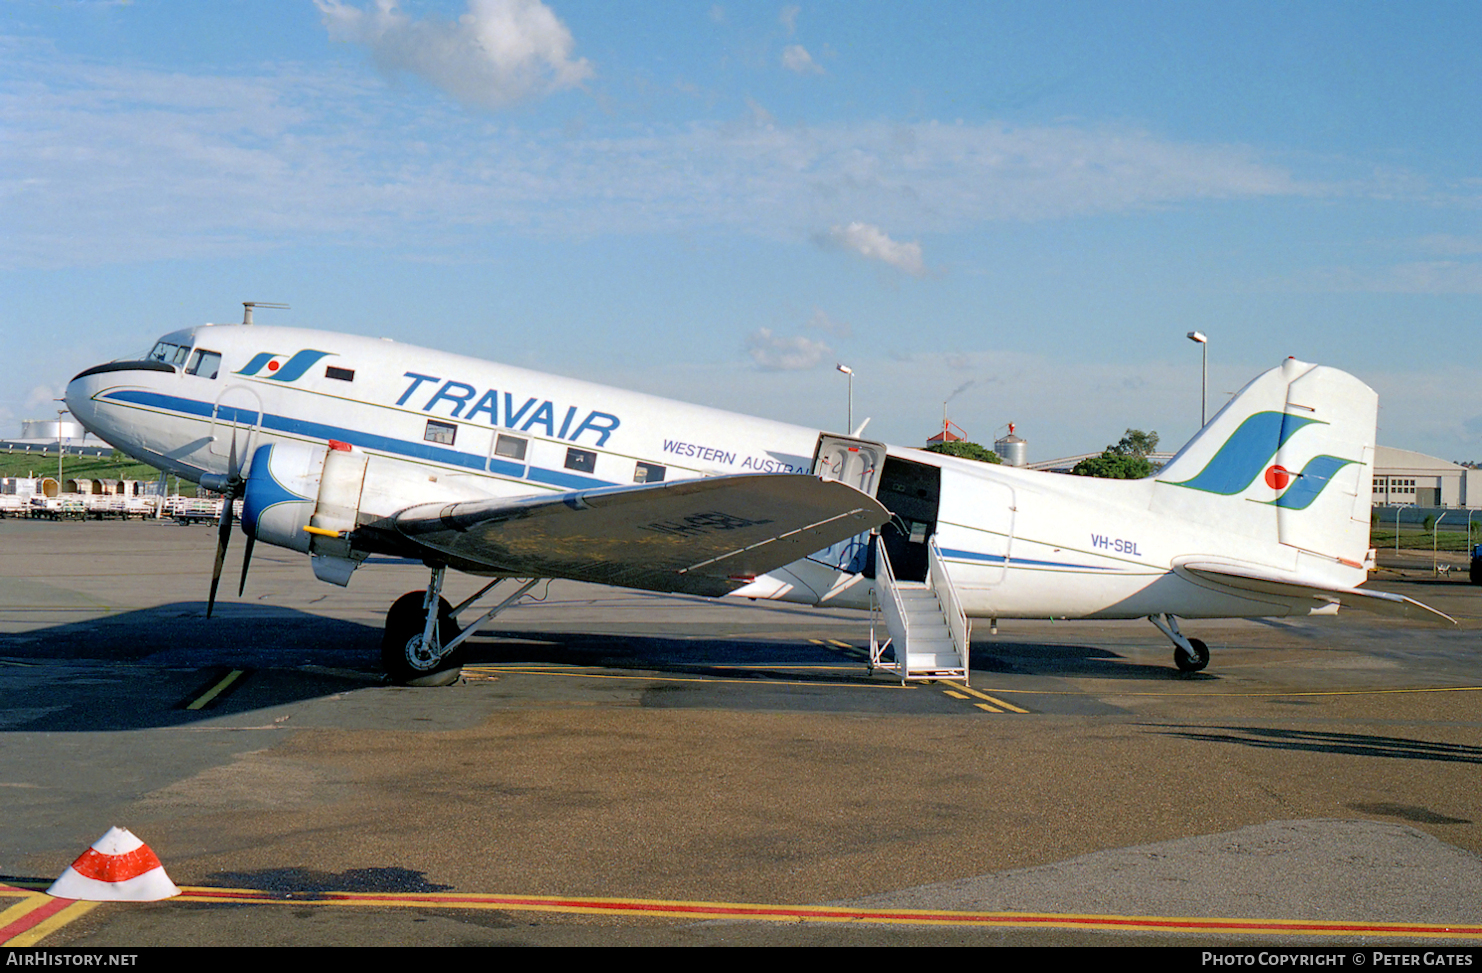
1288,460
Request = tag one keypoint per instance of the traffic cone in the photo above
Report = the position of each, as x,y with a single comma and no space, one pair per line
117,868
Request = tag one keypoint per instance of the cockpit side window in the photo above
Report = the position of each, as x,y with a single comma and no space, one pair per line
204,363
169,353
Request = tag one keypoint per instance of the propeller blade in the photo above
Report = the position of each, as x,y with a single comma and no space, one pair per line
223,535
234,487
246,560
231,460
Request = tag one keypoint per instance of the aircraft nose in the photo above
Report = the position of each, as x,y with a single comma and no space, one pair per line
78,397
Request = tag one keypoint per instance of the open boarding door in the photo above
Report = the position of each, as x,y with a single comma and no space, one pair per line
856,462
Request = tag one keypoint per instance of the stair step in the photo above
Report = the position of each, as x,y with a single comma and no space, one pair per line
930,651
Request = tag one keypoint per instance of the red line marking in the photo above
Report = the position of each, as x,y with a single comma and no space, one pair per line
35,917
737,910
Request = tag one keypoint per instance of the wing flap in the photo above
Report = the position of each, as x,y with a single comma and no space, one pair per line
704,536
1245,578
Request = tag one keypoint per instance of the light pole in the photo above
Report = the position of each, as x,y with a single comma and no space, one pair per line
849,425
1203,341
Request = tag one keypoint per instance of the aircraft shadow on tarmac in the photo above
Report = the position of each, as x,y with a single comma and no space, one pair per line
160,660
716,656
1319,741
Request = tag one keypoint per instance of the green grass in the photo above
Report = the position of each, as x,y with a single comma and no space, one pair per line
116,467
1420,540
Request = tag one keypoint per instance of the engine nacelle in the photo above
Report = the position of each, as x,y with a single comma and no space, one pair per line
307,498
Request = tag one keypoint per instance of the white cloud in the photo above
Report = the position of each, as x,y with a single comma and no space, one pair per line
795,58
775,353
872,243
788,18
822,321
1449,244
103,164
991,388
498,53
43,397
758,115
1415,277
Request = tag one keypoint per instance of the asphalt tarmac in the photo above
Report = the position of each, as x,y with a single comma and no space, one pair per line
611,750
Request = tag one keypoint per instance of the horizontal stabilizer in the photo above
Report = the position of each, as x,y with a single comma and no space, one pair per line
704,536
1248,579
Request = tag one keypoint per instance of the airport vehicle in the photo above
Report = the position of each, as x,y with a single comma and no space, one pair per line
342,447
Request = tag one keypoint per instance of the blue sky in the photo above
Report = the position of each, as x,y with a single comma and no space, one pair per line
1022,207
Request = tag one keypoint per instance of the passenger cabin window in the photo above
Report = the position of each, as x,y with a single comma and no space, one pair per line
510,447
442,433
648,473
169,353
342,374
204,364
581,460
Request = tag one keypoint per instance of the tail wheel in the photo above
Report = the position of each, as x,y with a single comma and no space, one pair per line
403,655
1185,664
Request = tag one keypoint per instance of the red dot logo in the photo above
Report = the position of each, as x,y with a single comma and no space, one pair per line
1277,477
273,367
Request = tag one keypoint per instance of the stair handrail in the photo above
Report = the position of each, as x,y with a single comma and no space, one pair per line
957,622
893,607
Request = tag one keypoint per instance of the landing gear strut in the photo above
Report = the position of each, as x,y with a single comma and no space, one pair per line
422,638
1190,655
412,647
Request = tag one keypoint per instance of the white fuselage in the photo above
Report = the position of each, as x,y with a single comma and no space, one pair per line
1018,543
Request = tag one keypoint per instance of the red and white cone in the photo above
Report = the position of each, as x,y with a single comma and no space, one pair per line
117,868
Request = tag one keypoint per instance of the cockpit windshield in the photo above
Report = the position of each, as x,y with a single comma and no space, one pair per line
169,353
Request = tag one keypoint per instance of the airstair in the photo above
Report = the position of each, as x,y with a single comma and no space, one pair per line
928,631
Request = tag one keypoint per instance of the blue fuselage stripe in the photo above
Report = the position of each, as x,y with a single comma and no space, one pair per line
1019,561
365,440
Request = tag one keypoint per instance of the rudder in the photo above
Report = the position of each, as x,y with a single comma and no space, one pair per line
1289,459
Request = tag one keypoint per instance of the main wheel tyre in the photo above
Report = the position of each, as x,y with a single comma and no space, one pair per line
1185,664
402,653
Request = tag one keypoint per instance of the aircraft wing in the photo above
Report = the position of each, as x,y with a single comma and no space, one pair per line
1247,579
704,536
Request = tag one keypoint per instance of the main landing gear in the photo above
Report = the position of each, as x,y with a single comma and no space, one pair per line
422,638
1190,655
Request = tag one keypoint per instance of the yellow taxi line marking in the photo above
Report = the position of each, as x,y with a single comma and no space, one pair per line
216,690
1270,695
29,900
989,703
50,925
842,645
38,916
777,912
998,702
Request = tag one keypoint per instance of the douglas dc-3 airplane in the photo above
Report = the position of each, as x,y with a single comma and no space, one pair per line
341,447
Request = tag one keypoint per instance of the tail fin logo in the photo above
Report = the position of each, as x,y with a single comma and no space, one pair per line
282,368
1313,479
1245,454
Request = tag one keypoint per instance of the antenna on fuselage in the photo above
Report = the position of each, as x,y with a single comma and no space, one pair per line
247,307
